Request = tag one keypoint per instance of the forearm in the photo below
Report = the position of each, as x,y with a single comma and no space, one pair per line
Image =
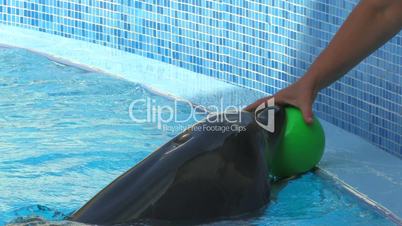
370,25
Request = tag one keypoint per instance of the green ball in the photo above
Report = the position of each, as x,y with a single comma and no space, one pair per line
301,146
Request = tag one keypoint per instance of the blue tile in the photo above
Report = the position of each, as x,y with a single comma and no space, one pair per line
264,45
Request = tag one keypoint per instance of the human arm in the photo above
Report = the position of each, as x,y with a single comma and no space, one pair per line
369,26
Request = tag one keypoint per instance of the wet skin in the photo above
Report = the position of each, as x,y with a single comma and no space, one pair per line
198,175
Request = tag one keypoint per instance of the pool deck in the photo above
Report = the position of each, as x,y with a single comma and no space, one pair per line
373,174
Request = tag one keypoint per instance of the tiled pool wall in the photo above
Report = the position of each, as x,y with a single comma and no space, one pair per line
261,44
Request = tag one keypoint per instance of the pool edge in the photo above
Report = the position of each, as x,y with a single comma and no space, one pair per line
221,88
361,196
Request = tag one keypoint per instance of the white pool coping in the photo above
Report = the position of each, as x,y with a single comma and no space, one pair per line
373,174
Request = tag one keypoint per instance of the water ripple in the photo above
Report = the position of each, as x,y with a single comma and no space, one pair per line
65,133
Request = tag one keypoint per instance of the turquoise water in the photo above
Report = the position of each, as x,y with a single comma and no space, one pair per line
65,133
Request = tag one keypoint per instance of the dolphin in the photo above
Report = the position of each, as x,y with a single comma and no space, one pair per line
204,173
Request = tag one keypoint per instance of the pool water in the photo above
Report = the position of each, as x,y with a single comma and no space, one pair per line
65,133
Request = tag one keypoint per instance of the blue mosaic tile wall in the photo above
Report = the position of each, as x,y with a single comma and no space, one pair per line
260,44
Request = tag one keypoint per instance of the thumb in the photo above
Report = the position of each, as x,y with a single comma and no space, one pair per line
307,113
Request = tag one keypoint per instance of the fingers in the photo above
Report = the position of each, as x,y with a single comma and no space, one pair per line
280,100
307,112
305,106
303,102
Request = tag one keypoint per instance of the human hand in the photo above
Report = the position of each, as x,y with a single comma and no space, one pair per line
300,94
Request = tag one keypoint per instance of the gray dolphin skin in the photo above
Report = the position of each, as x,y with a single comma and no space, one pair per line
201,174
